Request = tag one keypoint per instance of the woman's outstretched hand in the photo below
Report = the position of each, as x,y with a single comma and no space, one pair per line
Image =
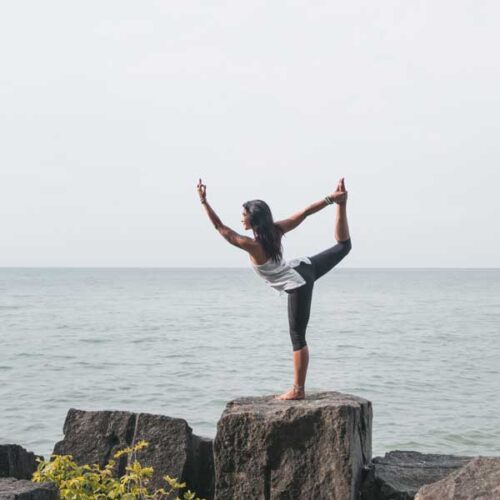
202,191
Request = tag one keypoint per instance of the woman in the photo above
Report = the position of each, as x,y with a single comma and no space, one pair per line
296,277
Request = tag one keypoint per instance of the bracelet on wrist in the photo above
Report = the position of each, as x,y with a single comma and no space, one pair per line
203,201
329,200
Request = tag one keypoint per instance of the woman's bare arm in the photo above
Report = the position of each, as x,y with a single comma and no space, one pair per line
294,220
226,232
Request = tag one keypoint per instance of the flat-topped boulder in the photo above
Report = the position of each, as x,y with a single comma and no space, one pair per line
22,489
478,479
272,449
17,462
399,474
95,436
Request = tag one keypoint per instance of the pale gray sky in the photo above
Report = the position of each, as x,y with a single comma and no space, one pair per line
110,111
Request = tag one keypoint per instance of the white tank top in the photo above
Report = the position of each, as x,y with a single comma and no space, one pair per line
281,275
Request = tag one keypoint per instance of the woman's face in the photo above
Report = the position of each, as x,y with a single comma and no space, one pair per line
245,220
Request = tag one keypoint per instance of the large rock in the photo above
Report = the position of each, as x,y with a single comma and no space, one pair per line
314,448
479,479
95,436
399,474
22,489
16,461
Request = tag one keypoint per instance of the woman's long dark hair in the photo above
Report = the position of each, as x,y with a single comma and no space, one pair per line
267,233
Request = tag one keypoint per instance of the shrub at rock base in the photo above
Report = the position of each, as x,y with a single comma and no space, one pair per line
91,482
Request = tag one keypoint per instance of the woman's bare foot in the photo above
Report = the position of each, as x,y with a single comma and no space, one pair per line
339,196
296,392
341,188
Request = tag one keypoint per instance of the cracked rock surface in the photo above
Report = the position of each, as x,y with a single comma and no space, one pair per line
399,474
478,479
22,489
95,436
16,461
313,448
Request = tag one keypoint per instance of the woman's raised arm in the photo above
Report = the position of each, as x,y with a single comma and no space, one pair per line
294,220
226,232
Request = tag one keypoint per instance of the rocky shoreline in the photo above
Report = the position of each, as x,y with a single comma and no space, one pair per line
317,448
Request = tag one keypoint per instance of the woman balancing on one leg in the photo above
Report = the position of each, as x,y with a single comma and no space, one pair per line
295,277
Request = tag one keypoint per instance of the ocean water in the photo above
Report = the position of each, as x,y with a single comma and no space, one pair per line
421,344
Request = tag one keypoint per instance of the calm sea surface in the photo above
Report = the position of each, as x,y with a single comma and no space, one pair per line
422,345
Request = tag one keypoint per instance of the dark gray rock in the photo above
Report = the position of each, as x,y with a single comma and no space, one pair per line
22,489
17,462
95,436
203,469
479,479
313,448
399,474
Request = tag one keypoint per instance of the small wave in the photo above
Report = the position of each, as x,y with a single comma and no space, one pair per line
207,423
34,427
349,346
96,340
467,438
143,340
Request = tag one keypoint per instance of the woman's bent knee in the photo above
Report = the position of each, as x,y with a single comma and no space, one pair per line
346,246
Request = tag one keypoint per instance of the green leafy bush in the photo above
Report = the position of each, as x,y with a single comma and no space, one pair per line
90,482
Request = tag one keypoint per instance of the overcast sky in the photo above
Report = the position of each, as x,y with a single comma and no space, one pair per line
111,110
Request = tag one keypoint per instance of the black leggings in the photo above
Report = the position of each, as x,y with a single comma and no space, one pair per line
299,299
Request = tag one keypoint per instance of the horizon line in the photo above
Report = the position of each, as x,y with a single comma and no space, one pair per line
239,267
